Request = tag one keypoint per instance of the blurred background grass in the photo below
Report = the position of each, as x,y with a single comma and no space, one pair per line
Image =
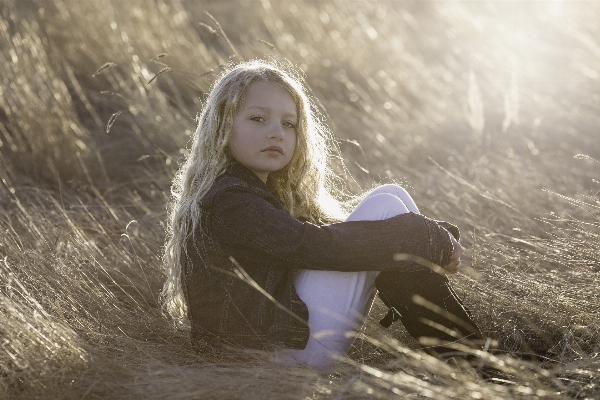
486,111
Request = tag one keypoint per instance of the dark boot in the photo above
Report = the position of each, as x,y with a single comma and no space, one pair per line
441,316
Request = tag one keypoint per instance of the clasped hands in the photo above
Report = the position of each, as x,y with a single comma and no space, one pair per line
452,267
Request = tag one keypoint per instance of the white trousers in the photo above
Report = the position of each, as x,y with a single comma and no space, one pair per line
338,302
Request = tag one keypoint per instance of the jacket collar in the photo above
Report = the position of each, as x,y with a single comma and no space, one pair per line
234,168
237,170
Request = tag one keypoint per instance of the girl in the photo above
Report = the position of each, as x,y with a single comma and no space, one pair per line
256,255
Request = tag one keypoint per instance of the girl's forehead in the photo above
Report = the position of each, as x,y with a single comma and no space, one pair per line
267,86
268,93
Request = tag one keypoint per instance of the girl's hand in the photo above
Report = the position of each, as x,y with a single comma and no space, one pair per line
452,268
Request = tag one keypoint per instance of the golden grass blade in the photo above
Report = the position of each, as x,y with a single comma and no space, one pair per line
103,67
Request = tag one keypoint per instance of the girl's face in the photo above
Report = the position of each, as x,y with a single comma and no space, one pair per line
264,129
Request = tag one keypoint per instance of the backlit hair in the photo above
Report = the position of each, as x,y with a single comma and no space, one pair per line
304,185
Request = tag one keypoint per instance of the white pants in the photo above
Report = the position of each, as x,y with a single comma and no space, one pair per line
338,302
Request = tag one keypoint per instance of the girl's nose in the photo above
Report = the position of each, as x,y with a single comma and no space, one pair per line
276,131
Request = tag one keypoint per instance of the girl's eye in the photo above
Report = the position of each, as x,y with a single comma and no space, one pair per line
257,119
289,124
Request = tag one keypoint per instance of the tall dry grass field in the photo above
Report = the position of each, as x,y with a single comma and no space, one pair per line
489,112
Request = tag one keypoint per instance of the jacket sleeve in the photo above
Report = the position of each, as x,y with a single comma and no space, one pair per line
247,227
453,229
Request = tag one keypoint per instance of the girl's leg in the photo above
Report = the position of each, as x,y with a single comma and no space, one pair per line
399,192
337,301
398,289
441,316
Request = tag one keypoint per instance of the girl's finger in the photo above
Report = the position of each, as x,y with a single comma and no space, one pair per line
452,268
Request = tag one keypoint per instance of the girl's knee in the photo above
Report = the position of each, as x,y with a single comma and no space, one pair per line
384,199
391,188
399,192
377,207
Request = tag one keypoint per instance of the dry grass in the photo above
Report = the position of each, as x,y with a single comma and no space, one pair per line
481,106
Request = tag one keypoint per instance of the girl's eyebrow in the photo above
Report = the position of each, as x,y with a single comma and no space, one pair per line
268,109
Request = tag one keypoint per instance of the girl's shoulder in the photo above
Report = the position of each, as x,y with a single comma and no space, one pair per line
226,181
230,186
222,183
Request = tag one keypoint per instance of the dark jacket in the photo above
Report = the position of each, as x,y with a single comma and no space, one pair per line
244,225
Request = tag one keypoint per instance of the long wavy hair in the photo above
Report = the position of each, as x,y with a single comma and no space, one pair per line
306,185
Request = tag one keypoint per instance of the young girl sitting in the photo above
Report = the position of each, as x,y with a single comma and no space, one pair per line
257,255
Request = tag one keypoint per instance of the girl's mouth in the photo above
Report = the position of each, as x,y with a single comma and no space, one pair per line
273,150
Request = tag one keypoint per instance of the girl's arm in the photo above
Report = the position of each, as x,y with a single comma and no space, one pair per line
453,229
247,227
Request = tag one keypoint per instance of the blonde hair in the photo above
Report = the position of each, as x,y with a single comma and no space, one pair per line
305,185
